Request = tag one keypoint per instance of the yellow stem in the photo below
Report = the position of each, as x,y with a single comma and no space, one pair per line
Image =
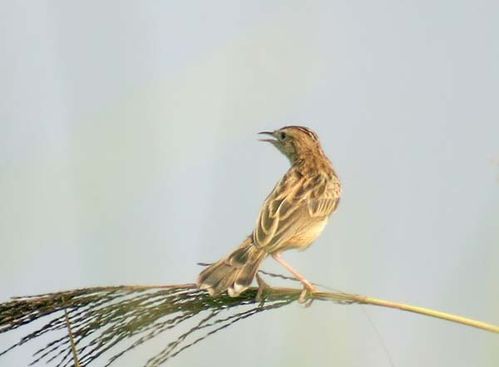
353,298
71,340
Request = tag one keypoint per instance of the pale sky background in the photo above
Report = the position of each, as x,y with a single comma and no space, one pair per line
128,153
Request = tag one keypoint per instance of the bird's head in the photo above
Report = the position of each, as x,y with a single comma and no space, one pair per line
294,142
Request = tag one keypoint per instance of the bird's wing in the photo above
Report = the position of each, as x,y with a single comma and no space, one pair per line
294,204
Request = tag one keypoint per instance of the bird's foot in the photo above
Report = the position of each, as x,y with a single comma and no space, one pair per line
305,296
262,287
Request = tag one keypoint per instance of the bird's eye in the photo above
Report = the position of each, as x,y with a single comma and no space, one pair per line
282,135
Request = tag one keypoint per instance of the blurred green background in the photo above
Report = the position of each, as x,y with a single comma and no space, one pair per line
128,152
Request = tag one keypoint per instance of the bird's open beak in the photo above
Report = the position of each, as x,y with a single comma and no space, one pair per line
271,133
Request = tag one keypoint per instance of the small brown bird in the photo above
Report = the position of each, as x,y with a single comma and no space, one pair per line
292,216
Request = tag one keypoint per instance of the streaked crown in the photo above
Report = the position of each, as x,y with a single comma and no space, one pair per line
295,142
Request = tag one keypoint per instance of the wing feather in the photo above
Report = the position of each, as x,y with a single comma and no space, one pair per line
289,209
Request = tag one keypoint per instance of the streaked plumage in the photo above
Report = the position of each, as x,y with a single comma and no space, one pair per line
292,216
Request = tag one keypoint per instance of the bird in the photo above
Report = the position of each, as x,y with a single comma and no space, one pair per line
292,216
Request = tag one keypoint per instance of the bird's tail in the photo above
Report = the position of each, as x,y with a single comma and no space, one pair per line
233,273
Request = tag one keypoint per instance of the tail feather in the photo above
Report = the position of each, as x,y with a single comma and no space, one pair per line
233,273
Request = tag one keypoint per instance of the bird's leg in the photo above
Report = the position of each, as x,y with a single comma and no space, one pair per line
277,257
307,286
262,286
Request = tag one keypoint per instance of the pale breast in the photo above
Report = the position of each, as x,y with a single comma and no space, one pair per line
304,238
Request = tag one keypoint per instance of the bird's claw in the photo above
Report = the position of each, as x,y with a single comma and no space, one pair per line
305,296
262,286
